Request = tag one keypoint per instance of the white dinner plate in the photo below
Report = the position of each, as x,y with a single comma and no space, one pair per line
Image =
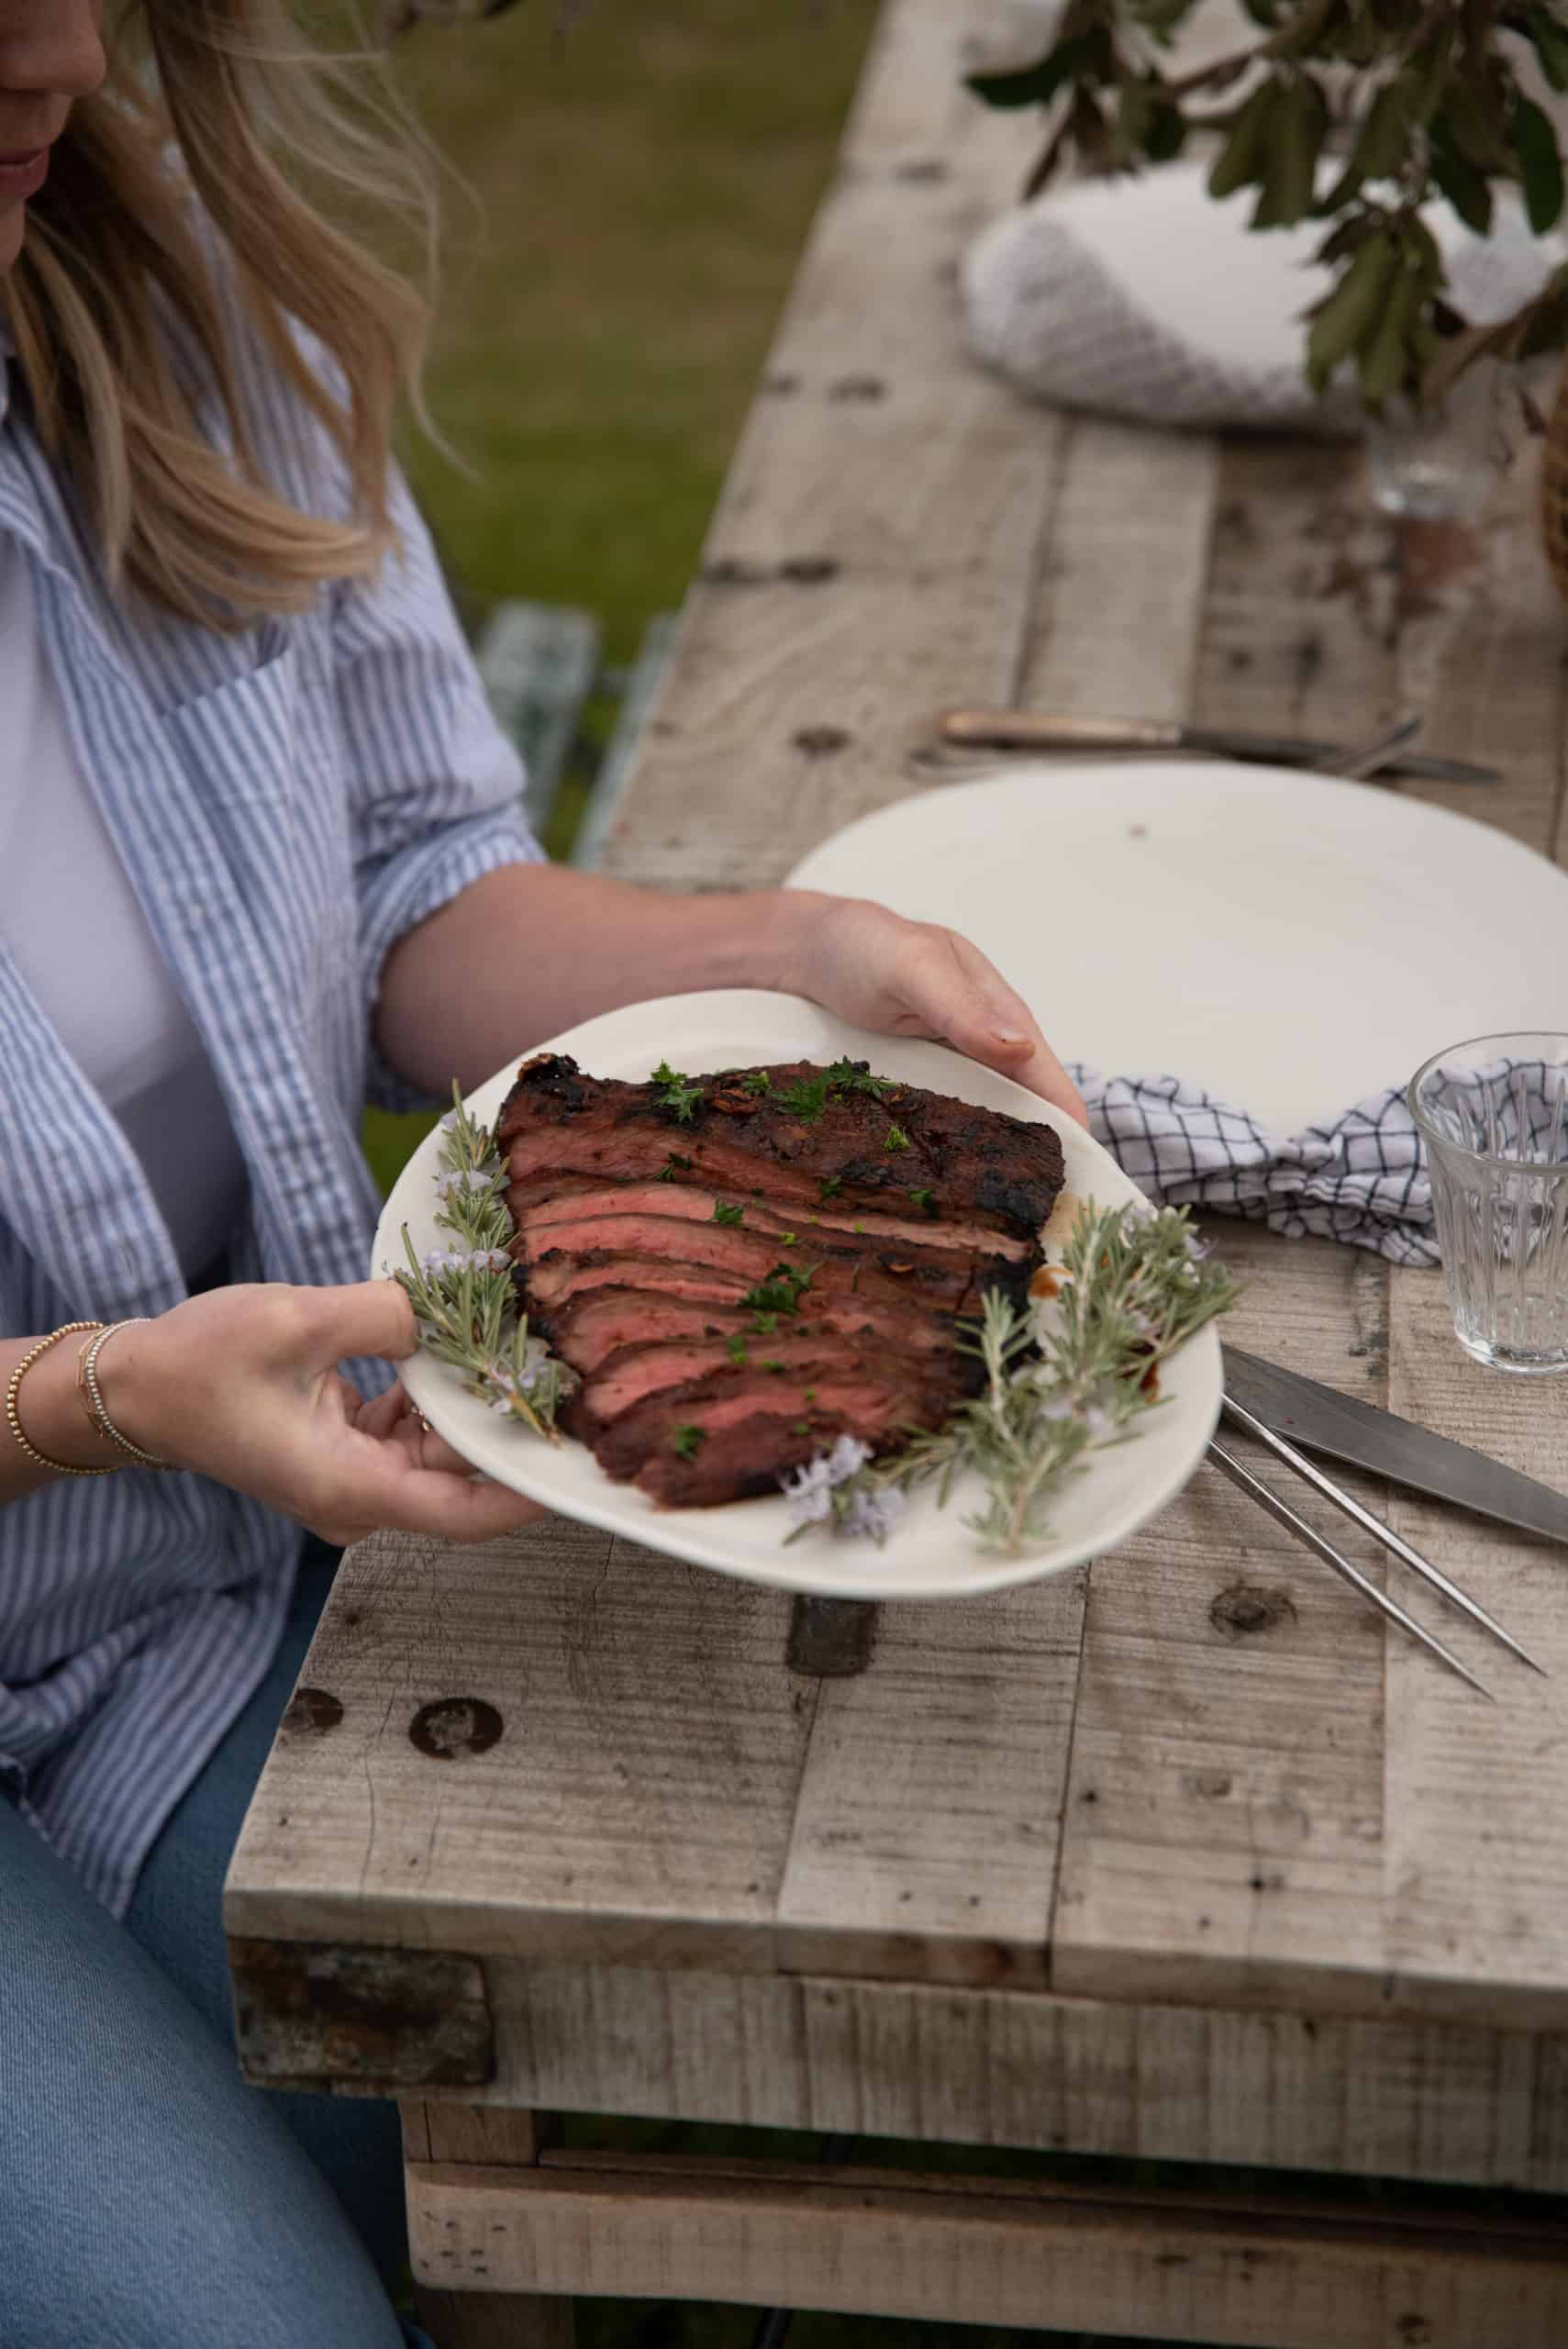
1290,942
931,1554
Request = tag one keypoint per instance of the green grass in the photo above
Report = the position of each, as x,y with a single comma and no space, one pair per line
647,182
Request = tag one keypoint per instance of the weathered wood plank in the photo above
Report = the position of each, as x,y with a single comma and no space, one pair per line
1022,2068
924,1843
552,1742
1477,1794
476,2315
998,2252
1119,613
876,548
1222,1840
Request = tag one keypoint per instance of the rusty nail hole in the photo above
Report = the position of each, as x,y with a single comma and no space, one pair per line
313,1708
455,1725
820,741
1245,1608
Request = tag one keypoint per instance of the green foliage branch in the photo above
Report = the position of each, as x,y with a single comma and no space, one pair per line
1404,100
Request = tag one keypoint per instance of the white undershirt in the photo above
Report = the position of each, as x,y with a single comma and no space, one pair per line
72,922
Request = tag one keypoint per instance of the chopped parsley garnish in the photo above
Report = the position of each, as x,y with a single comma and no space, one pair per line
759,1082
773,1364
736,1348
802,1427
789,1239
676,1092
850,1076
810,1395
897,1139
674,1165
724,1214
926,1201
781,1292
687,1440
764,1324
829,1186
805,1099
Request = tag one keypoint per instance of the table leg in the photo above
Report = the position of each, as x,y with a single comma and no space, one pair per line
831,1638
475,2318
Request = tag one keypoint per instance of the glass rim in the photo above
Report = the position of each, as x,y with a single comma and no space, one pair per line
1471,1043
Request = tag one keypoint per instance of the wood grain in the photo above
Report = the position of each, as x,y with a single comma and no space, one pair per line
637,1798
999,2252
1019,2068
1223,1833
925,1834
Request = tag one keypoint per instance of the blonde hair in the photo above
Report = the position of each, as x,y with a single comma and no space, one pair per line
123,330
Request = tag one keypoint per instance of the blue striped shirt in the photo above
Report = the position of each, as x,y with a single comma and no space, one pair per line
287,801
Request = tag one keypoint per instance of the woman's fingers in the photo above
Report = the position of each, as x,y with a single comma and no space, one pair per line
448,1507
966,1001
370,1317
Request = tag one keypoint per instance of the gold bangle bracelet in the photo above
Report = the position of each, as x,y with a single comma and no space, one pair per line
98,1410
14,1416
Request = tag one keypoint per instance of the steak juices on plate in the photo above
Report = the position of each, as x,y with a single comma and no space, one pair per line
744,1268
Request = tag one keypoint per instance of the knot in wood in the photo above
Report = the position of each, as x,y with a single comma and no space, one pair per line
314,1710
820,741
1246,1609
455,1725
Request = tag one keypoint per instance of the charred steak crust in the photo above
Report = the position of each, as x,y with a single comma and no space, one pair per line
699,1258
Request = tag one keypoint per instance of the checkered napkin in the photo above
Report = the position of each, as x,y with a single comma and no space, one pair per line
1362,1178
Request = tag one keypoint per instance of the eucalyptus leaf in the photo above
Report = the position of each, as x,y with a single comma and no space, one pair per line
1550,42
1347,317
1384,355
1242,160
1541,166
1468,191
1036,84
1296,134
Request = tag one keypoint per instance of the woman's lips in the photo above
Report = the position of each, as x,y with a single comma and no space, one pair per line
23,174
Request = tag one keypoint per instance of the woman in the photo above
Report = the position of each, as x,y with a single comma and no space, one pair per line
259,848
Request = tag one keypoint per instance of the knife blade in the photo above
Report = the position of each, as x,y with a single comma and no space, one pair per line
1034,730
1319,1418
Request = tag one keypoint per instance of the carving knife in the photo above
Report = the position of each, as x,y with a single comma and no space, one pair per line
1037,729
1319,1418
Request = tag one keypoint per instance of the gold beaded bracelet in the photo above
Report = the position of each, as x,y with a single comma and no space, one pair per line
92,1396
13,1418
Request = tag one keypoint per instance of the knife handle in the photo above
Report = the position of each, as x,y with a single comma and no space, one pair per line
1055,730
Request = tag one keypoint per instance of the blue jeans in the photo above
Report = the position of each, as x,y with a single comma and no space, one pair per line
149,2199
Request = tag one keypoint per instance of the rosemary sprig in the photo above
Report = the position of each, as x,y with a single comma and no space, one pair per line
463,1300
1134,1286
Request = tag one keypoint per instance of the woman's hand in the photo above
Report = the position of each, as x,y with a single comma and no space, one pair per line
242,1384
913,978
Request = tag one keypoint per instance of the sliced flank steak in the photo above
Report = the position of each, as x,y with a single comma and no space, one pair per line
744,1266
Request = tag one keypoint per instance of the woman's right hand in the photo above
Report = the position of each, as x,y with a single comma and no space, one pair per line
242,1384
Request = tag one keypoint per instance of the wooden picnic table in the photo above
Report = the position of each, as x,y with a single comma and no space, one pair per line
1178,1857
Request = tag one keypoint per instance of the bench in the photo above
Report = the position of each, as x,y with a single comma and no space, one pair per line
542,665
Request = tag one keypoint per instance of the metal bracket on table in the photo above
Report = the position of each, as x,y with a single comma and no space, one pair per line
831,1638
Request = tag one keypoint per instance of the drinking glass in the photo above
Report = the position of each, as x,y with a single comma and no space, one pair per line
1494,1115
1440,464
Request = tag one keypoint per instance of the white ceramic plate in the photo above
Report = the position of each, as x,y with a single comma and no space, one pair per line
932,1554
1290,942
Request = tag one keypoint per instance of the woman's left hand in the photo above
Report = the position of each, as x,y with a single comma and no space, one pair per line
915,978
